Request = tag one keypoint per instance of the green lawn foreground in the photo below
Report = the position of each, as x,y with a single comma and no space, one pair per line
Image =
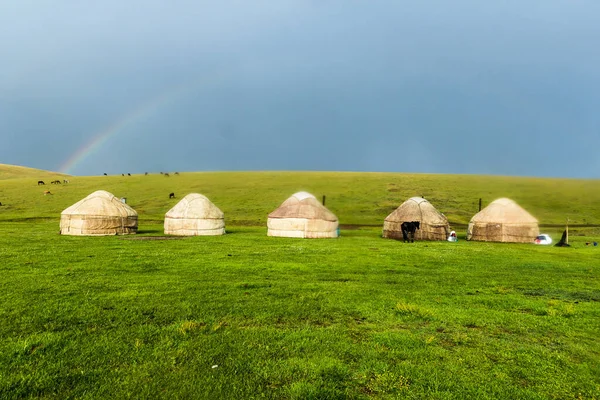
247,316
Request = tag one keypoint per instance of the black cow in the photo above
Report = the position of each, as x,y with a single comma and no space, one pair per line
105,174
408,230
171,195
41,183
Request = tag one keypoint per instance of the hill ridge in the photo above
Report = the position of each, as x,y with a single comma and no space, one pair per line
247,198
10,171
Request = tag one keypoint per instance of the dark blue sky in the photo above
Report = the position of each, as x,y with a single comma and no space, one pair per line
430,86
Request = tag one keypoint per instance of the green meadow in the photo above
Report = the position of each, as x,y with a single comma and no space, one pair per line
245,316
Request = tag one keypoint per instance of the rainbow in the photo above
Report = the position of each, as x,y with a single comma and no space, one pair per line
145,109
128,119
138,114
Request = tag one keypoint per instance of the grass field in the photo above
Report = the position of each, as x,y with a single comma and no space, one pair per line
246,198
248,316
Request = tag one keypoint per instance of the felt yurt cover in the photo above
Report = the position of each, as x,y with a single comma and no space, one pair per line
302,216
194,215
100,213
433,224
503,220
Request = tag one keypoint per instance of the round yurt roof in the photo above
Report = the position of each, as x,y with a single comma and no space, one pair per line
303,205
417,209
100,203
197,206
504,211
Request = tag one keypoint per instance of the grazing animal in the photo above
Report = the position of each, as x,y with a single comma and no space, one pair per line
41,183
128,174
166,174
46,192
145,173
176,173
122,174
105,174
56,182
408,230
171,195
65,181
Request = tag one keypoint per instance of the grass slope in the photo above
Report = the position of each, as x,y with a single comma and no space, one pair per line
8,171
246,198
249,316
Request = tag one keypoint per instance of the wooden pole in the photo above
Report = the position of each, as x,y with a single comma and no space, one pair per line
567,236
480,204
323,199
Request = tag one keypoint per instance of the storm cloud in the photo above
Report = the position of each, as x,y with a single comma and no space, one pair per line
430,86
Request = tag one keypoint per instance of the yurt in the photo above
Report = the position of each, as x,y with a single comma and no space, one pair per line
194,215
302,216
433,224
100,213
503,220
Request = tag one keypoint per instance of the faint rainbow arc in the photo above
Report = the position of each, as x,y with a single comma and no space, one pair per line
101,137
143,110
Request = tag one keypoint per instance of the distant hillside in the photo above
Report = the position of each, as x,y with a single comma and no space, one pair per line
8,171
357,198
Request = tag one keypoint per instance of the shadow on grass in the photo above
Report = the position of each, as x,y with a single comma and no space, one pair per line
150,231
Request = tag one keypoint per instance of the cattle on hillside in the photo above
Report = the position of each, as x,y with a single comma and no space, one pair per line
408,230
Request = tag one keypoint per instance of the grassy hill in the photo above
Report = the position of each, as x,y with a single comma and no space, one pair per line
246,198
245,315
8,171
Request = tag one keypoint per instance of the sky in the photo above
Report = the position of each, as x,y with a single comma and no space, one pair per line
462,87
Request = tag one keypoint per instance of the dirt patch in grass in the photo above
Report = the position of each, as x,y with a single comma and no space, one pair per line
152,238
352,227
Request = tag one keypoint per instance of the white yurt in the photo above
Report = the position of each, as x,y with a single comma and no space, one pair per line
433,224
302,216
503,220
99,214
195,215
